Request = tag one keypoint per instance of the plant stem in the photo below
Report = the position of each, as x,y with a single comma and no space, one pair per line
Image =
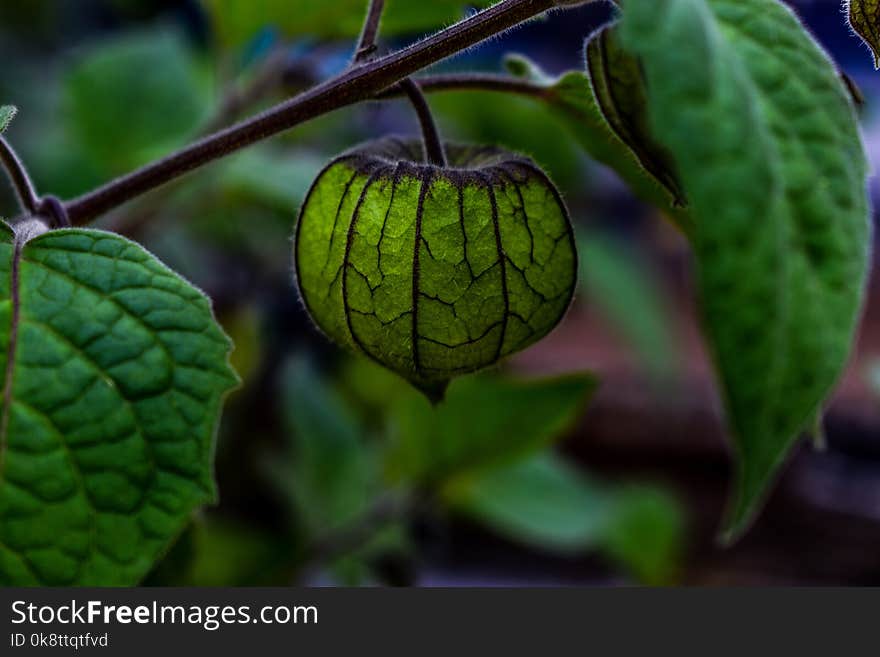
367,44
476,82
27,195
434,152
430,135
384,511
354,85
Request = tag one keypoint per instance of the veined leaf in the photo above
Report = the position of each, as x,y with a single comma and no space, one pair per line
767,147
7,113
864,19
115,372
619,88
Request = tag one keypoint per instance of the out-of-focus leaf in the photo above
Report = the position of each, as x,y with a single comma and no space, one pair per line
767,146
483,421
116,374
646,533
279,180
627,294
243,327
619,88
220,552
357,568
61,163
546,503
473,116
864,19
333,474
372,388
237,21
540,501
7,113
135,98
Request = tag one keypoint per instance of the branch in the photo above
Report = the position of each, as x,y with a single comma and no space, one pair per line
367,43
476,82
434,151
430,135
354,85
27,195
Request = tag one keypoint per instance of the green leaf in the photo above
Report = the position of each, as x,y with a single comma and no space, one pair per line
115,372
619,88
545,503
237,21
767,147
646,533
276,179
473,116
864,19
218,551
135,98
7,113
434,272
483,421
626,292
332,475
540,501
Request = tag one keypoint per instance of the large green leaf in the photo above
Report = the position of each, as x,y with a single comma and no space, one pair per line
115,372
237,21
767,146
482,422
546,503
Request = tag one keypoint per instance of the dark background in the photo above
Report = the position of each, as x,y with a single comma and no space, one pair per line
655,424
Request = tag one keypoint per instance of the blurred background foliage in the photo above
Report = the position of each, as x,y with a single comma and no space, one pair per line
330,469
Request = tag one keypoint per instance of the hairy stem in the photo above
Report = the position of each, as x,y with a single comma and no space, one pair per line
477,82
434,150
367,44
27,195
433,145
354,85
